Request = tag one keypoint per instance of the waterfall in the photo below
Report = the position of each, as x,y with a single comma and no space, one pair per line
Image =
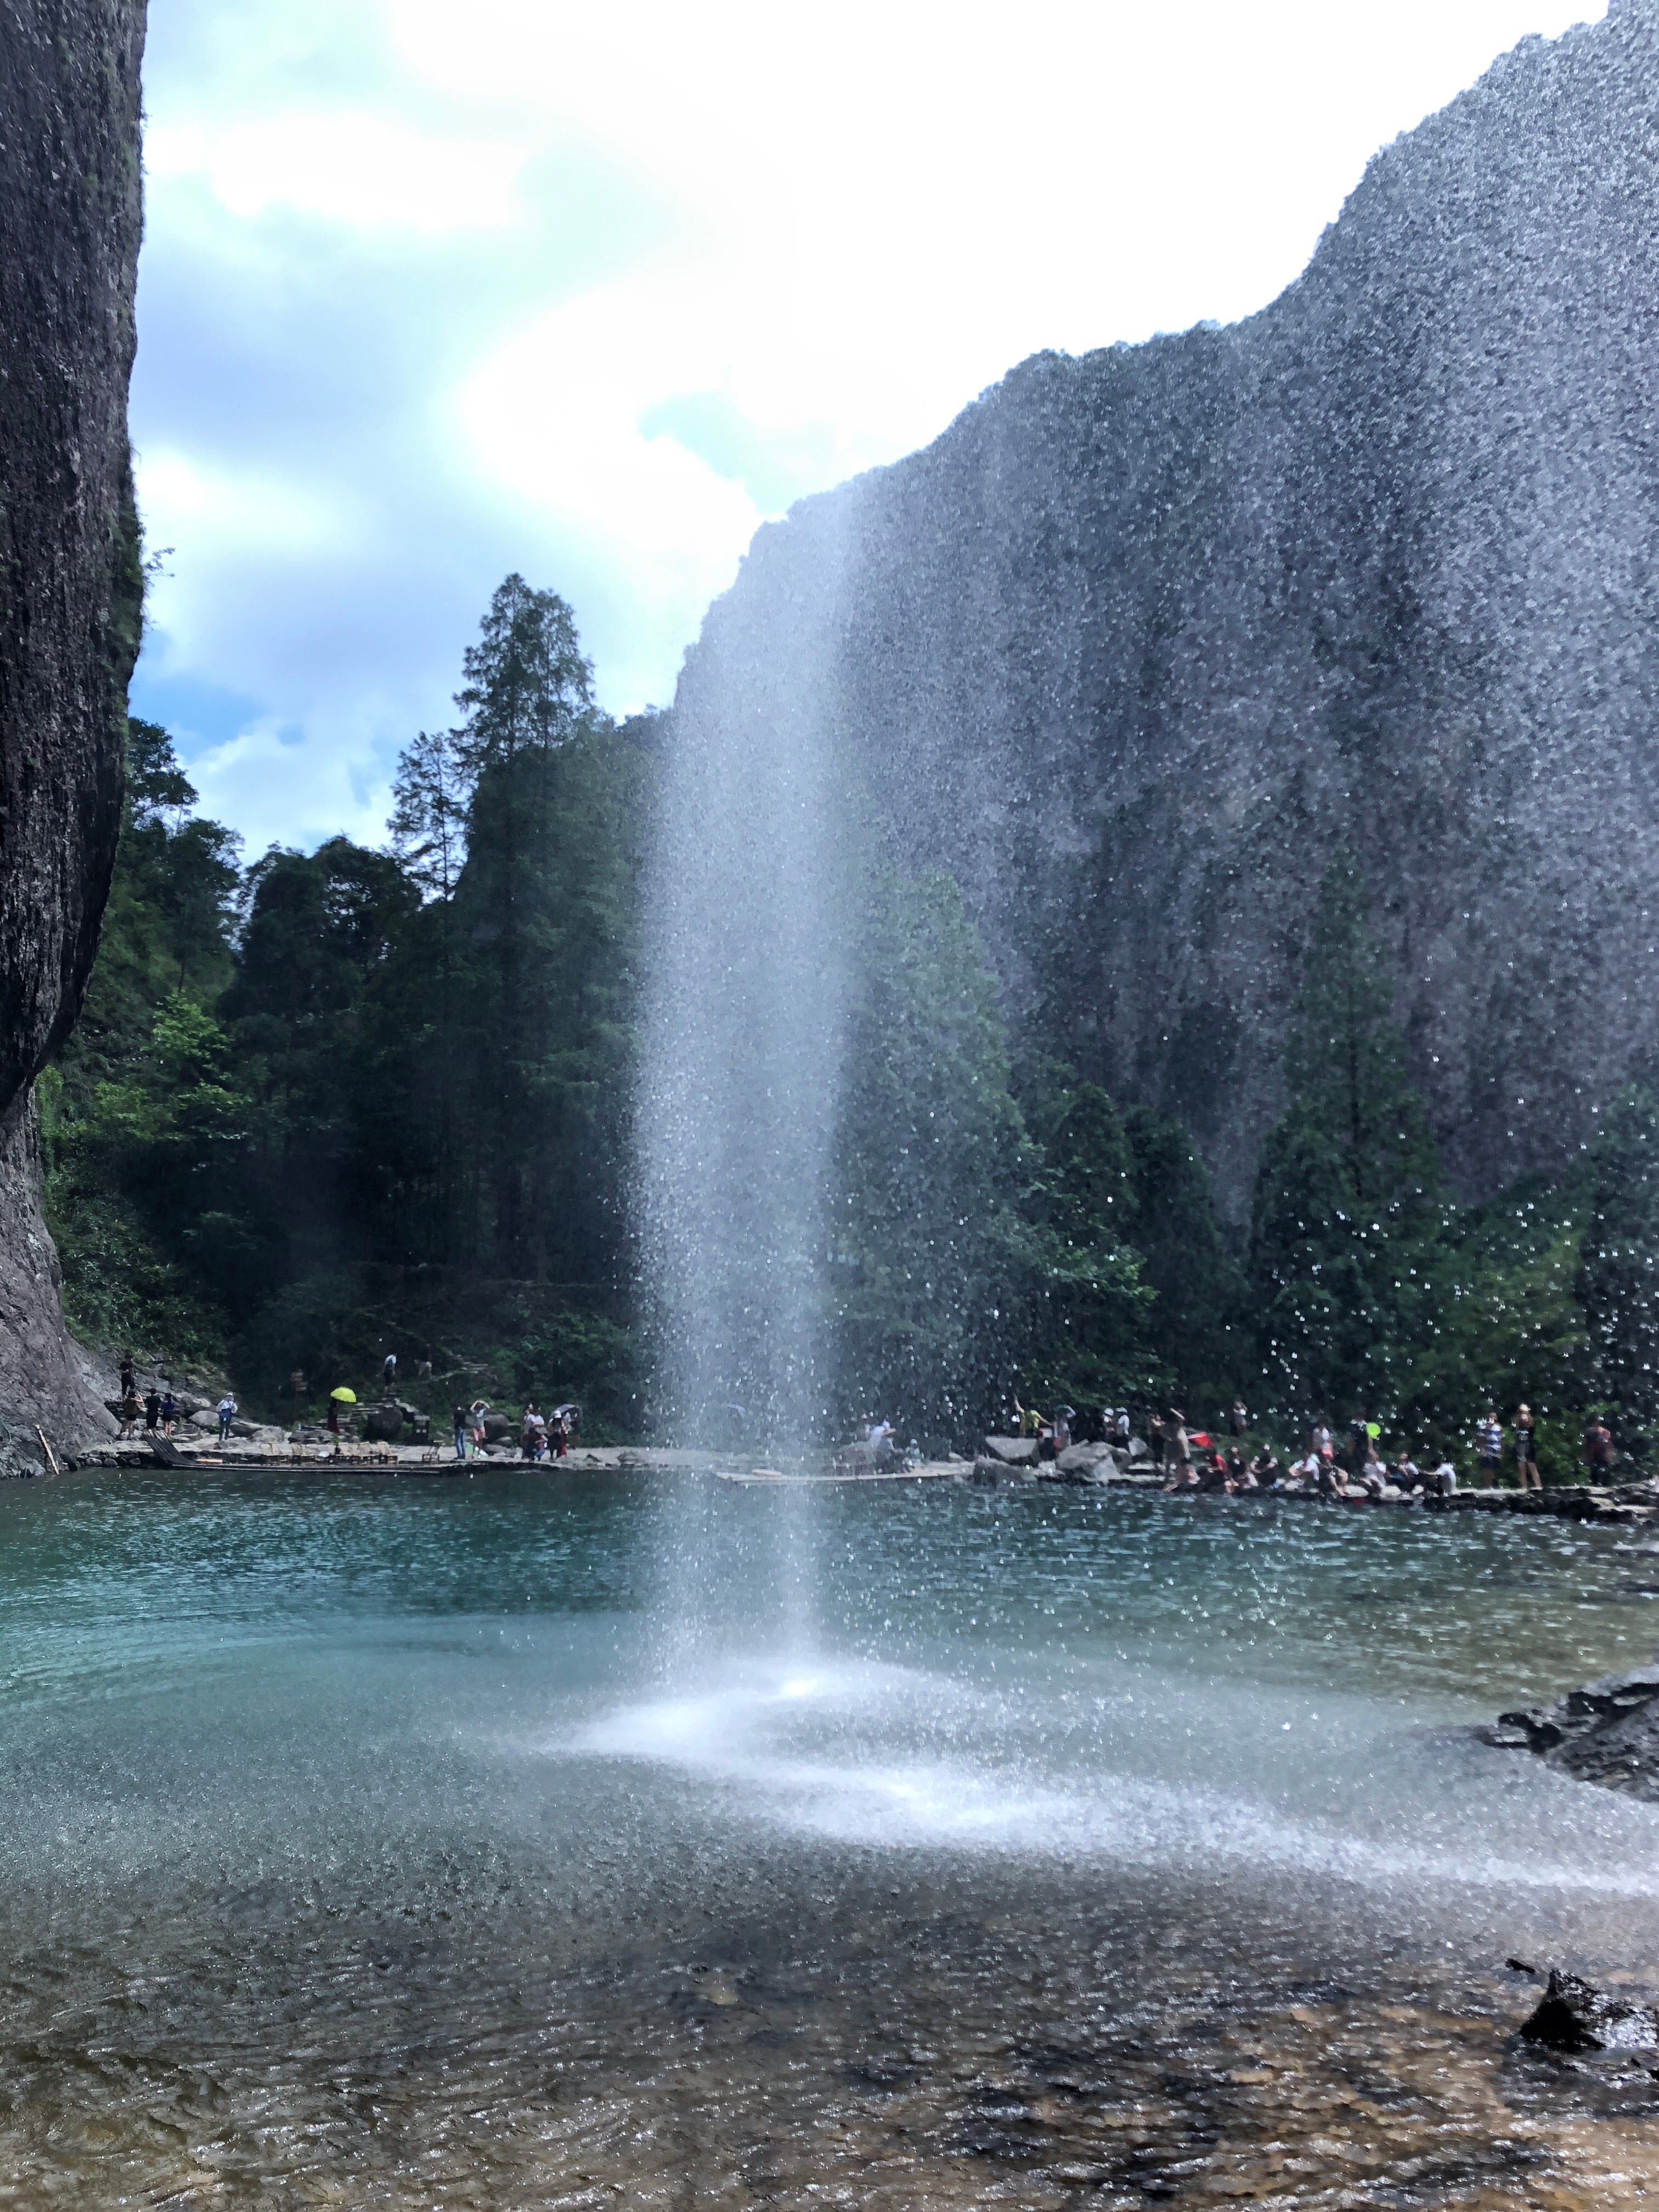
747,1003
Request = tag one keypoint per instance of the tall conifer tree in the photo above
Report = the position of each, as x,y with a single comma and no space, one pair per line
1346,1220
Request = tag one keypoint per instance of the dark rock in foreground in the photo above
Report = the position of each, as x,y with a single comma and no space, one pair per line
1575,2015
1607,1732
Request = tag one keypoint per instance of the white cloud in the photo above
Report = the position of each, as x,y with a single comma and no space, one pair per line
352,168
588,291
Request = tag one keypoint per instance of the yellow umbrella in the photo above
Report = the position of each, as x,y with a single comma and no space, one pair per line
346,1397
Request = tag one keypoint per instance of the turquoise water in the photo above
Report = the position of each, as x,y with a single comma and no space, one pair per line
534,1839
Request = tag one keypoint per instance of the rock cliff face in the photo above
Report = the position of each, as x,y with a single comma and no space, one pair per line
1146,632
69,596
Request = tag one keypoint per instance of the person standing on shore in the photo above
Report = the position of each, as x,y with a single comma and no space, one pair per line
475,1411
1178,1444
1526,1451
152,1411
227,1413
1155,1438
460,1432
1489,1449
169,1412
1598,1446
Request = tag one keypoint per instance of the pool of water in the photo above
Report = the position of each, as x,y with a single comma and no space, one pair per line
542,1840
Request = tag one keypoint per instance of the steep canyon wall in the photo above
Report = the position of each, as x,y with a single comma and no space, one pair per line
69,598
1148,631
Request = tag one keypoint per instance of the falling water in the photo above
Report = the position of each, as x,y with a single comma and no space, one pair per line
745,1016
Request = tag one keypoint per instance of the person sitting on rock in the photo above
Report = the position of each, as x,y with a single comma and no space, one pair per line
1264,1468
1406,1475
1444,1479
1239,1476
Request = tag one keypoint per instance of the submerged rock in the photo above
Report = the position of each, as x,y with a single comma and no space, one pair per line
1573,2014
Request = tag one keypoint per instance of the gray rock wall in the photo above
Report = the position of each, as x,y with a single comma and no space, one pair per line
69,593
1146,631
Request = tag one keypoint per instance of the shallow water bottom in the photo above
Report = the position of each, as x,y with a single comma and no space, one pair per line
372,1848
978,2038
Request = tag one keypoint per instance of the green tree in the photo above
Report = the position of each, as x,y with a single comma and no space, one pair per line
430,794
545,1014
1089,1320
1617,1280
527,686
929,1161
1345,1220
118,1108
528,691
320,928
1197,1333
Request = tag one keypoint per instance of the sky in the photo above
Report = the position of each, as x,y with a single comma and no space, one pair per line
432,294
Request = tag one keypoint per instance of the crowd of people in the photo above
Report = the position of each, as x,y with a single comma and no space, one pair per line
1358,1464
541,1435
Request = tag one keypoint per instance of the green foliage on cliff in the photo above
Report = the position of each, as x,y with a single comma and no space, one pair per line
1618,1283
1374,1294
1345,1225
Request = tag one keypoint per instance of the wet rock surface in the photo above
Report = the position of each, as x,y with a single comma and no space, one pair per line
1148,625
70,589
1574,2014
1605,1732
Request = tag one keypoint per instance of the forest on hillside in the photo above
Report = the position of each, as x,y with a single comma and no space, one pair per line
327,1105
